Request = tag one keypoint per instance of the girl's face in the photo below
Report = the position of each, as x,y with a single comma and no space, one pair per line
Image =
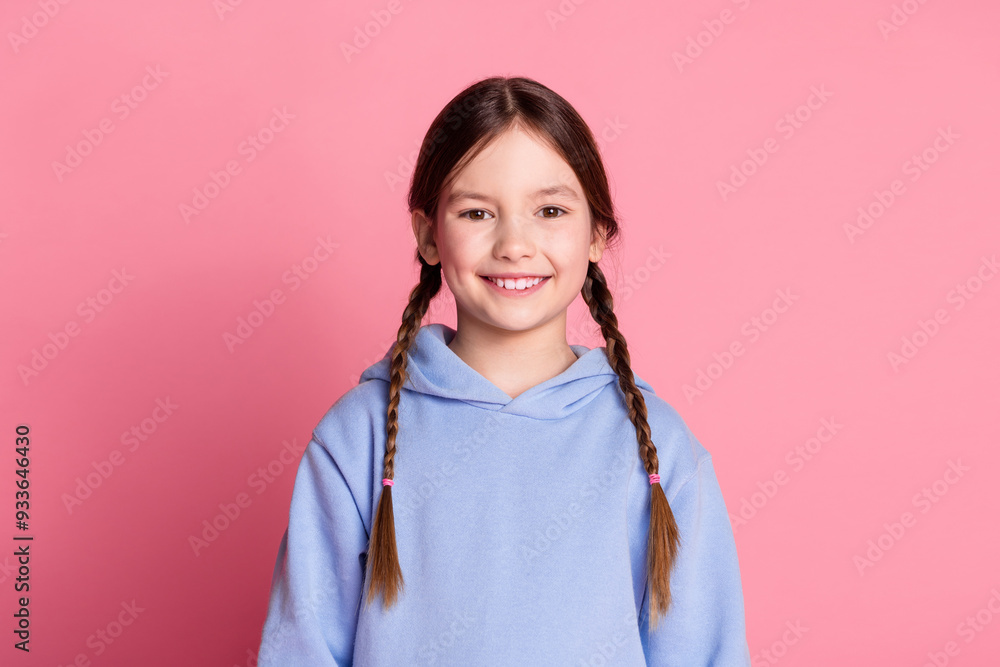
516,211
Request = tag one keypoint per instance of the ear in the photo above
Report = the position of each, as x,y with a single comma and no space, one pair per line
423,232
598,242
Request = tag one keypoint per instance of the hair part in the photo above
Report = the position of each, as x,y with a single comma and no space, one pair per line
464,127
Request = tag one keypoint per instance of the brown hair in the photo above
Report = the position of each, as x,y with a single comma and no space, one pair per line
466,125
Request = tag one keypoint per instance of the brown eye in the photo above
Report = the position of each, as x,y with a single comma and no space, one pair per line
554,209
474,214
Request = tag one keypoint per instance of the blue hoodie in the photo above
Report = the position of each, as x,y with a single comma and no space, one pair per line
521,528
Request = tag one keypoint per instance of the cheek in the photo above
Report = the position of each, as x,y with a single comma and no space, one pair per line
575,254
458,255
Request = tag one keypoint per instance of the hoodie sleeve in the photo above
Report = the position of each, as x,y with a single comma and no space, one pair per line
705,624
318,577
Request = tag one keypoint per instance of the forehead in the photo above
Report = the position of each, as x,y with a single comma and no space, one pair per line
517,162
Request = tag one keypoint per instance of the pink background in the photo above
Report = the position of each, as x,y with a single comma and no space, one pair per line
338,169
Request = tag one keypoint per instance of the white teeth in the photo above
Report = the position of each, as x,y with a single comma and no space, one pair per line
516,284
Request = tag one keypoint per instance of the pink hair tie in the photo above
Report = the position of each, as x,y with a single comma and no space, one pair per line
387,482
654,479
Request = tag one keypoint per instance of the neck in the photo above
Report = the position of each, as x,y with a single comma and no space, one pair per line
512,360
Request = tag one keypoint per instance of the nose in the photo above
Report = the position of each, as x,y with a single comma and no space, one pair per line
514,238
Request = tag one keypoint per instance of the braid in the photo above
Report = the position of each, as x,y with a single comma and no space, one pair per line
664,537
384,574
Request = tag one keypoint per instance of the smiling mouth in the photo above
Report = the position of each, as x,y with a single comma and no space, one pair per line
514,284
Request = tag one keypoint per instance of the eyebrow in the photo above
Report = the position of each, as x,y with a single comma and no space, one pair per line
551,191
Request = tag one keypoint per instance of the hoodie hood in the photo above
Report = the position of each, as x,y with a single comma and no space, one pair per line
433,369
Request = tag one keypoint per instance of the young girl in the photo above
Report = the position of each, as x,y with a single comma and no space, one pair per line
551,509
